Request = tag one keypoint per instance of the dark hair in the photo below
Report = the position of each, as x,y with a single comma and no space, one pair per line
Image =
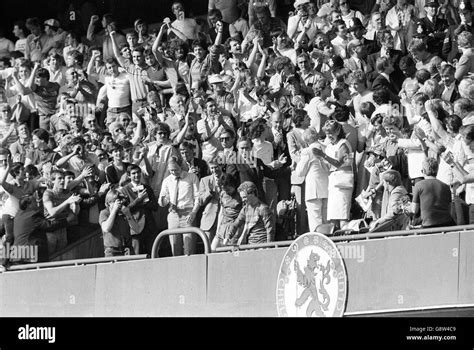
15,169
299,115
393,177
454,122
132,167
22,26
367,109
468,132
229,180
341,113
33,22
32,169
42,73
163,127
42,134
406,62
422,75
381,96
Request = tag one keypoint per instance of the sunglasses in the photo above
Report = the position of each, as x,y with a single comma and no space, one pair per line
161,133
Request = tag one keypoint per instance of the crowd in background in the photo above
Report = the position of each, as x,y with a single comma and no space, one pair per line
225,124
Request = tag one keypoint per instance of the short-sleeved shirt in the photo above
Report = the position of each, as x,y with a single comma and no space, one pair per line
39,157
119,236
46,98
56,198
434,198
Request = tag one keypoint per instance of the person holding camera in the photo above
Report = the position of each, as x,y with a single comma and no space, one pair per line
114,225
139,211
79,158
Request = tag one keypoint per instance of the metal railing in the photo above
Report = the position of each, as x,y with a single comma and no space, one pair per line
413,232
179,231
76,262
276,244
354,237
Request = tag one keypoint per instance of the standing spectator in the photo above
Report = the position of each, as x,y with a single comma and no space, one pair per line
41,152
339,155
432,198
6,46
58,204
399,20
181,191
137,74
114,225
142,202
116,91
256,218
20,32
23,145
296,143
466,62
209,192
185,28
230,206
316,174
104,39
44,91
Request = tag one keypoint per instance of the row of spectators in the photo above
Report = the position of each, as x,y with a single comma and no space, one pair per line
225,125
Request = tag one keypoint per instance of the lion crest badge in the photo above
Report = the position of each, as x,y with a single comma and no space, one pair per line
312,281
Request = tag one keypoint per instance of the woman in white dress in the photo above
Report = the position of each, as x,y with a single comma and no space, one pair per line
339,155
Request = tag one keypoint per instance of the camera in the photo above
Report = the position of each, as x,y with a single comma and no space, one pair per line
123,200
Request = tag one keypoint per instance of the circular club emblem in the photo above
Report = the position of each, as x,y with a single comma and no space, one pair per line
312,280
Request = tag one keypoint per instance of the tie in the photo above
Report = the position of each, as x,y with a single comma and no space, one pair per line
176,192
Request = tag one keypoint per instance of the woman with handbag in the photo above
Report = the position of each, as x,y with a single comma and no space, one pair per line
338,154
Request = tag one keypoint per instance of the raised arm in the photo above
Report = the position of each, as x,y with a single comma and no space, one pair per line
115,48
91,28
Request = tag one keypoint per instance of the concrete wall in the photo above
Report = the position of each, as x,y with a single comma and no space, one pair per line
394,274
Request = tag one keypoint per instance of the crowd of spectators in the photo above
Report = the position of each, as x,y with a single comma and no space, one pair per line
220,124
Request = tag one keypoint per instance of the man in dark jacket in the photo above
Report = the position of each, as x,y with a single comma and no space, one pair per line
30,227
139,212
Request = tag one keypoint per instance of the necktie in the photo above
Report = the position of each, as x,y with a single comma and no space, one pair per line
176,192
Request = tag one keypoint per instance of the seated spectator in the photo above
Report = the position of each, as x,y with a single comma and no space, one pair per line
392,216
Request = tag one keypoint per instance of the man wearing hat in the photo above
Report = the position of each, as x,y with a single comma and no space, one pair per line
357,31
52,29
435,27
450,47
296,23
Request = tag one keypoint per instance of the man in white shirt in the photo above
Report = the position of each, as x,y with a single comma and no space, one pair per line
181,191
117,91
339,43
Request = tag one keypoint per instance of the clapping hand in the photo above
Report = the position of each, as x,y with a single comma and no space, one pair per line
318,152
75,198
282,159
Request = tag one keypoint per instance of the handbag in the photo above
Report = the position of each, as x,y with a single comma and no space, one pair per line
341,179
